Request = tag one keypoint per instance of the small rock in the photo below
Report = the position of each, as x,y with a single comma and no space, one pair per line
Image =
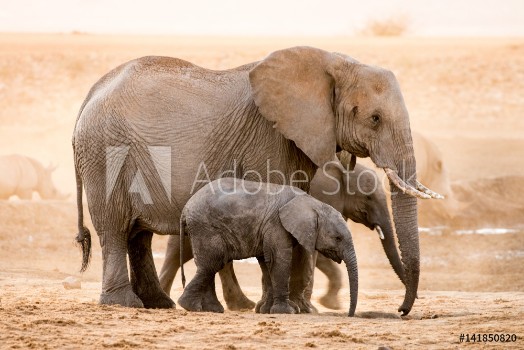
72,283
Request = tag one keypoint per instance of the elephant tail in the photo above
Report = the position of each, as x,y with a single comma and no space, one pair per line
83,237
182,239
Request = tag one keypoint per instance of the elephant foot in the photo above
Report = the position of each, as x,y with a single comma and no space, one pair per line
157,301
212,306
240,303
190,303
264,305
123,296
304,305
283,308
330,301
294,306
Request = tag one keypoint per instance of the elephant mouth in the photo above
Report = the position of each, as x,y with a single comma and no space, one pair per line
332,254
355,149
419,191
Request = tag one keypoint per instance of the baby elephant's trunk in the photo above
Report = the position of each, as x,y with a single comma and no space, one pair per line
350,259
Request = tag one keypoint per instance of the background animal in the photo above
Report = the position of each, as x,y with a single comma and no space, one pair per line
21,176
234,219
173,126
431,170
358,195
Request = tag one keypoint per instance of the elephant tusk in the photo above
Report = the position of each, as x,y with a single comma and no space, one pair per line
429,192
379,231
404,187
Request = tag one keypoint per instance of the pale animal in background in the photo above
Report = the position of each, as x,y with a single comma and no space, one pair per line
21,176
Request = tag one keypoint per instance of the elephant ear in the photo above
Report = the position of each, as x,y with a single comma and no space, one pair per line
299,217
294,89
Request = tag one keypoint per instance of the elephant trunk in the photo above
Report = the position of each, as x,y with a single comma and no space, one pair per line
350,259
404,207
390,248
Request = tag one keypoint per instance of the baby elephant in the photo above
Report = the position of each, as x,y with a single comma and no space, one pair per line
231,219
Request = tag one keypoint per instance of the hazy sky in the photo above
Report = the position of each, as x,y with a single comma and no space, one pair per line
268,17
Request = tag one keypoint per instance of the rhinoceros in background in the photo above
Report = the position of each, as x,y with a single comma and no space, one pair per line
21,176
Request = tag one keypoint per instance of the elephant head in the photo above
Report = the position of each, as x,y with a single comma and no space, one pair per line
327,101
317,226
359,196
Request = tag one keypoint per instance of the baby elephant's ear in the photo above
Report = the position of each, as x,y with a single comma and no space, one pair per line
300,218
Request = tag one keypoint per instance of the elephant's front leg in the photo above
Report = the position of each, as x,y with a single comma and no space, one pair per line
301,282
116,288
265,303
278,263
144,279
233,295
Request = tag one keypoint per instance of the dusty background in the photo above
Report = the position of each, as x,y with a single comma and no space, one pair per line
466,94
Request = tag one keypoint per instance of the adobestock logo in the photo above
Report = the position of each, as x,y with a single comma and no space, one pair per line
364,182
161,159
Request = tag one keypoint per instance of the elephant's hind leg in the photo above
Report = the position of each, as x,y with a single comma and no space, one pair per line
116,288
210,300
233,295
144,279
196,293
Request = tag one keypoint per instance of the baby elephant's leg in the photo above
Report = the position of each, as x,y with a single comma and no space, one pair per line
193,295
279,266
264,305
301,282
200,294
210,300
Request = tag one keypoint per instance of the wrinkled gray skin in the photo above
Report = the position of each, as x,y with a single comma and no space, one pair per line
21,176
362,199
293,109
233,219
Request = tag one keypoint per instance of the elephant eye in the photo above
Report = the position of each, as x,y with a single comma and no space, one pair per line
338,239
375,118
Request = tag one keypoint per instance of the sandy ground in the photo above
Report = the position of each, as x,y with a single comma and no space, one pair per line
466,94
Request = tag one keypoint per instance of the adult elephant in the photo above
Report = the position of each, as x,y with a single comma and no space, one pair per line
154,127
